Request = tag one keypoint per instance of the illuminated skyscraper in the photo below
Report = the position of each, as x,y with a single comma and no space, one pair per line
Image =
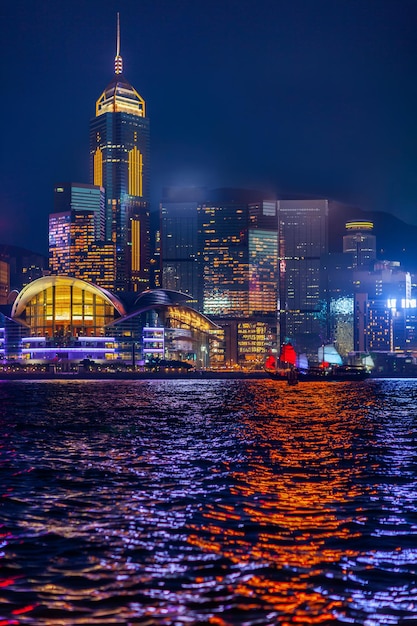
119,162
238,254
303,240
224,259
74,251
238,257
263,258
82,197
60,242
360,243
76,235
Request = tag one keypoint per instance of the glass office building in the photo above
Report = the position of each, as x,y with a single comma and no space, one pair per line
179,241
303,240
224,258
263,258
238,258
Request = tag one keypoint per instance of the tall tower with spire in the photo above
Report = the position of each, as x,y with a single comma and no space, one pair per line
119,162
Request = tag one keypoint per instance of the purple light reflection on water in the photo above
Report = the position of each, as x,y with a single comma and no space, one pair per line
208,502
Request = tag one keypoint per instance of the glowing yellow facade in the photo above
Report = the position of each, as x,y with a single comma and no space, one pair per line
135,172
98,167
75,252
97,264
120,97
136,257
61,306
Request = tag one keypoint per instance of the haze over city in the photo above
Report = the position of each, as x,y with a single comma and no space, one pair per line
305,97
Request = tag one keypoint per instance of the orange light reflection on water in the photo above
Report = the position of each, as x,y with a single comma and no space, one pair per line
291,498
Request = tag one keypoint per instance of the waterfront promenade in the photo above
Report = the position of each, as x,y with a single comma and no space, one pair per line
129,375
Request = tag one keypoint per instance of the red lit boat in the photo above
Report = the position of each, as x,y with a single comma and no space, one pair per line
288,368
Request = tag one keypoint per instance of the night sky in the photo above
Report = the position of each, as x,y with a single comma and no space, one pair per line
294,96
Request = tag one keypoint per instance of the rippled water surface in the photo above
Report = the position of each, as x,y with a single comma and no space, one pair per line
208,502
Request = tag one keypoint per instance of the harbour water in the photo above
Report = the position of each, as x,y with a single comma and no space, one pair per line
218,502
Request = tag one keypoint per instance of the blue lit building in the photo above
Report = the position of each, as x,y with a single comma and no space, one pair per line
179,241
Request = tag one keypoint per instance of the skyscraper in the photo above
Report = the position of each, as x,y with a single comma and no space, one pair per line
179,241
224,258
303,239
82,197
238,256
360,243
76,235
119,162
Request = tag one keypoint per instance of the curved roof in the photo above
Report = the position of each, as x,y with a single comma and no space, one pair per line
166,299
119,95
154,297
45,282
195,315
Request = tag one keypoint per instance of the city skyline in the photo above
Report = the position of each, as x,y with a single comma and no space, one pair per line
295,99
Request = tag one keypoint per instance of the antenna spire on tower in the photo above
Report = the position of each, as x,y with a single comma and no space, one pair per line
118,61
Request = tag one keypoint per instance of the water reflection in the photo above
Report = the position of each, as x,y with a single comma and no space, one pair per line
217,502
303,500
288,493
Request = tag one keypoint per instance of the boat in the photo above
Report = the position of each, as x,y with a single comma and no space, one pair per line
285,367
330,368
332,373
327,353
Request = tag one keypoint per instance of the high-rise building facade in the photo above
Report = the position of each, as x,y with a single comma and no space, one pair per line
76,235
224,259
179,241
60,242
238,266
263,258
238,258
360,242
303,240
119,162
74,251
82,197
384,308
